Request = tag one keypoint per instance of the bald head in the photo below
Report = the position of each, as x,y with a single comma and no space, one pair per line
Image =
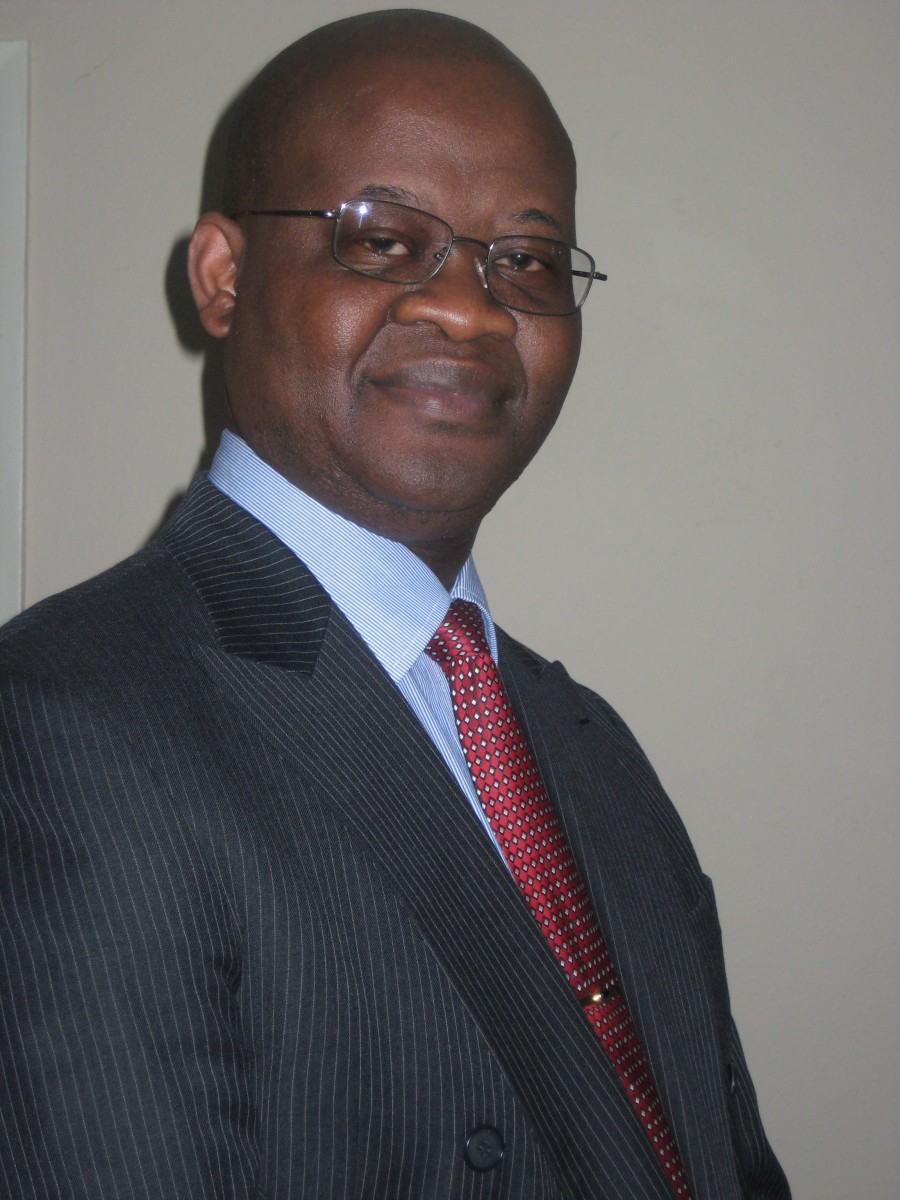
407,405
303,80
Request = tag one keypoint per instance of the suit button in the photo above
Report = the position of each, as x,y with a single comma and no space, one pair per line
731,1078
484,1148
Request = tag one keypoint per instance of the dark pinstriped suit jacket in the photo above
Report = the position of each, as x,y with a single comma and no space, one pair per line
255,944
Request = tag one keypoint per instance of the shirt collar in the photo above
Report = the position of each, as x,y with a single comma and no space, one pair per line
392,599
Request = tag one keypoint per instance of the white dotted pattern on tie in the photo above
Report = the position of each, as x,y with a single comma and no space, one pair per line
527,830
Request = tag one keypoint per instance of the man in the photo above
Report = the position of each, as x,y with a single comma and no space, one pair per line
267,933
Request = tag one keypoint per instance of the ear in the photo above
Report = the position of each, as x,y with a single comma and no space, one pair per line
213,261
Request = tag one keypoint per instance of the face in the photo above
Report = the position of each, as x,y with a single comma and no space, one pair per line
409,409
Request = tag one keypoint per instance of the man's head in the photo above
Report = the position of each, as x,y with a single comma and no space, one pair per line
407,407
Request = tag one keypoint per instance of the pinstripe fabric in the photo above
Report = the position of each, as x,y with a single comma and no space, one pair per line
248,953
392,600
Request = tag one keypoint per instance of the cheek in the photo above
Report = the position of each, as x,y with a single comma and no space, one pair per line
336,316
311,346
549,353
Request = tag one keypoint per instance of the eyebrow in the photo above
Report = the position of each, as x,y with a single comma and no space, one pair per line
538,214
376,191
399,195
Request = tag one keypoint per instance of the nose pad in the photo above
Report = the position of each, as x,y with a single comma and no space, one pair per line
482,273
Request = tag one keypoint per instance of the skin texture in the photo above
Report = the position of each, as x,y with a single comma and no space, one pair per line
408,409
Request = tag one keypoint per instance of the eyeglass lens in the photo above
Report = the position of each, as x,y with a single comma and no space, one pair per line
404,245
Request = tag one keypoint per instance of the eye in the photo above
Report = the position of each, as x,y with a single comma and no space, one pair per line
384,250
516,261
383,244
531,266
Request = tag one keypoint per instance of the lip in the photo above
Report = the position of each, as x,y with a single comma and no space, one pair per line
445,388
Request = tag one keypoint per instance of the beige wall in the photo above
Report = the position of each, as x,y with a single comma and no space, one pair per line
714,523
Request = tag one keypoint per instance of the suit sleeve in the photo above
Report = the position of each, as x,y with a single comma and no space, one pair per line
761,1174
122,1071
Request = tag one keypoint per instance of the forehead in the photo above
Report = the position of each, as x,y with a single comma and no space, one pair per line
467,134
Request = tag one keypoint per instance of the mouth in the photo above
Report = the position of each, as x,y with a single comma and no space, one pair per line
445,390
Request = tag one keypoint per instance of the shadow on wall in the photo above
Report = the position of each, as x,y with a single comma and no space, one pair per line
187,326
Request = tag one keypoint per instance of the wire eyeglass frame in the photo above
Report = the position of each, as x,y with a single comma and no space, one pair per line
437,251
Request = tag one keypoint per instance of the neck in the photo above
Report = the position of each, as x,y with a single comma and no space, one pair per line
445,557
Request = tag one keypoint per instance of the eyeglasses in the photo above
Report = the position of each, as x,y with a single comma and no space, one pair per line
399,244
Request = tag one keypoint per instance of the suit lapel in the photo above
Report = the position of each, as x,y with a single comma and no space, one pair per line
657,932
263,604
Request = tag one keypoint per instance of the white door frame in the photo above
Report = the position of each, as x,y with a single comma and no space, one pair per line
13,225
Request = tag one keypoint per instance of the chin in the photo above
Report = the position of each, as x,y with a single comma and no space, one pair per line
442,495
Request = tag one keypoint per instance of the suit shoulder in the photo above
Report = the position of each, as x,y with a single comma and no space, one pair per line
96,688
611,738
103,623
91,676
598,708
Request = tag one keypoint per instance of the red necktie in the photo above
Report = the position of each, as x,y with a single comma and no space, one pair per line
521,816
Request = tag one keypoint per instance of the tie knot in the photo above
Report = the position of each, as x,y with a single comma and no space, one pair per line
460,636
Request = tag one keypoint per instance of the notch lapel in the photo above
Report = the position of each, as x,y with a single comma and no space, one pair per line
653,904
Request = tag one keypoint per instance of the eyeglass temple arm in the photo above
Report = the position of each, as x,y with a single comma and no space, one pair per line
589,274
284,212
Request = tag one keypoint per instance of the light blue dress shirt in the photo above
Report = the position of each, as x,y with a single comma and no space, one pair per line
393,601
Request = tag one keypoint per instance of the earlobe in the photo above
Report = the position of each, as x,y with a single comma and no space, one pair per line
213,260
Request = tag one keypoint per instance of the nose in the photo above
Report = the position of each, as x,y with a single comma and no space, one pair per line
456,299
